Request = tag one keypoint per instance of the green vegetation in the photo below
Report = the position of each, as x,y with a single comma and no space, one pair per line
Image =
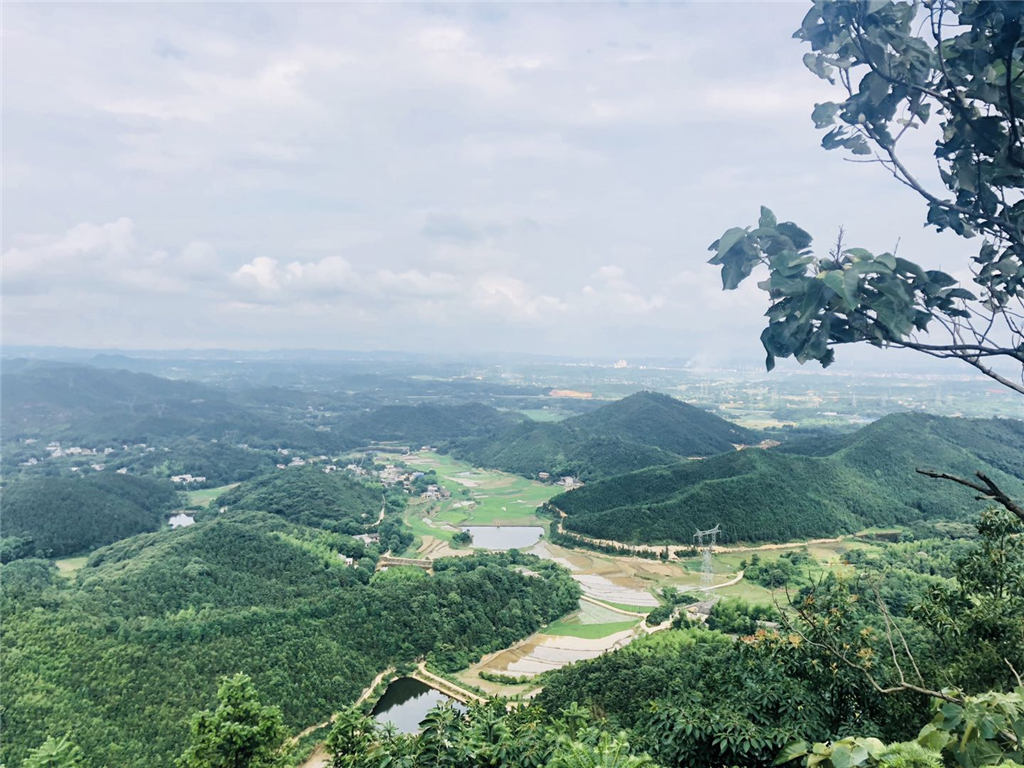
965,74
428,424
136,641
781,572
739,617
589,631
99,407
642,430
478,497
204,496
219,462
869,478
650,418
309,496
558,449
57,516
239,732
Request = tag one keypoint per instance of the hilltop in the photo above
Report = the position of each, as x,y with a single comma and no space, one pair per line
309,496
868,478
643,430
661,421
58,516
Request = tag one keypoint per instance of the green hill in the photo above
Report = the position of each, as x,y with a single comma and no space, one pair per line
643,430
309,496
121,656
57,516
532,447
658,420
425,423
758,495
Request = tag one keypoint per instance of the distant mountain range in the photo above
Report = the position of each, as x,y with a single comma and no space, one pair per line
863,479
99,406
424,424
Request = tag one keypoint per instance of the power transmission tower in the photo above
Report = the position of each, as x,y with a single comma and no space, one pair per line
706,541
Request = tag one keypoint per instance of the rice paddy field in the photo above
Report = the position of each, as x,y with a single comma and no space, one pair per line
618,591
478,497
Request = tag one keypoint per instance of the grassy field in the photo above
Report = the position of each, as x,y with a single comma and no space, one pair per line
69,565
588,631
546,414
204,496
589,613
645,609
827,559
478,497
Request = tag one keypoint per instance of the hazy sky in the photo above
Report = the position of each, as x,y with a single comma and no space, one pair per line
493,177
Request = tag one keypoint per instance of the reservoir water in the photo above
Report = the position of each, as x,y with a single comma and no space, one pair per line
504,536
405,703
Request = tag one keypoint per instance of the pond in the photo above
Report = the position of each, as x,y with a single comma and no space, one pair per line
405,703
504,536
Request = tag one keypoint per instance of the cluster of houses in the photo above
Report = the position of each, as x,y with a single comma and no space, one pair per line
188,479
55,450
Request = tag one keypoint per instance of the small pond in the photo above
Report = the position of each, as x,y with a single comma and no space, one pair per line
405,703
504,536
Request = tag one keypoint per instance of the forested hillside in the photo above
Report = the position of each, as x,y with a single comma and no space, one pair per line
307,495
768,495
662,421
100,407
642,430
57,516
532,447
218,461
135,643
425,424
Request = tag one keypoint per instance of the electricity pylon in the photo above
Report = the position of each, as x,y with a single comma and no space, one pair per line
706,541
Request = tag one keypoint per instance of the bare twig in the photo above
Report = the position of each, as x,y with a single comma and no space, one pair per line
1020,682
986,488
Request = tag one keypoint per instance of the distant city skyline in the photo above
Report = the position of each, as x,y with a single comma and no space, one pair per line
495,179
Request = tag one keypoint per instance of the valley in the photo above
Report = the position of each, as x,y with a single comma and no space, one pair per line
461,545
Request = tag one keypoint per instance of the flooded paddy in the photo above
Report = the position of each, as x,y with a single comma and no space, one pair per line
502,537
541,653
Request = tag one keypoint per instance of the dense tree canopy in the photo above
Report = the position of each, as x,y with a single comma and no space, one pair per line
135,643
57,516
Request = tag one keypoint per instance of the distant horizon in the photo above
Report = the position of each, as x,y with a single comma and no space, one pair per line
511,178
912,364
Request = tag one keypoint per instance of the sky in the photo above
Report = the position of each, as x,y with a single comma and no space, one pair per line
491,177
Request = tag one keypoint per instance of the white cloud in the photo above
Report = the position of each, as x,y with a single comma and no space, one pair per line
269,278
102,258
270,172
609,290
512,300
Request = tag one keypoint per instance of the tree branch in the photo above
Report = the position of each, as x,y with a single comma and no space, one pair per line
987,489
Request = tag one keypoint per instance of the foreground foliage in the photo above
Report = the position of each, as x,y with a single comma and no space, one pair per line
965,73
